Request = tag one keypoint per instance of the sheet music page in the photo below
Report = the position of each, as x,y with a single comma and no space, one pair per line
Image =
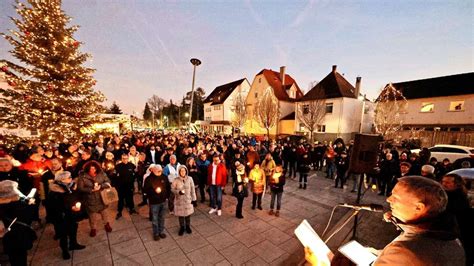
357,253
309,238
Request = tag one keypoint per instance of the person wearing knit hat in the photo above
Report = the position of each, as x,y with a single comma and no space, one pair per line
16,216
65,209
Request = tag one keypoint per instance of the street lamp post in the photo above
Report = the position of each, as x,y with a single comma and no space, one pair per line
196,62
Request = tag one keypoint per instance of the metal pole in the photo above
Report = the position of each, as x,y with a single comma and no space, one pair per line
195,62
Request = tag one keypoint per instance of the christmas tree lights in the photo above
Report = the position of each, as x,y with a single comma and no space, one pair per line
51,90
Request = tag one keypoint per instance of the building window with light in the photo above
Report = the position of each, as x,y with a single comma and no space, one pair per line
456,106
329,107
427,107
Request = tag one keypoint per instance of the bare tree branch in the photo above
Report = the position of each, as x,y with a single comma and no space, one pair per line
311,113
239,110
389,105
267,111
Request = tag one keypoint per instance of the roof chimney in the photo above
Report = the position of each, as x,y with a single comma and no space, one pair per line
282,75
357,87
334,67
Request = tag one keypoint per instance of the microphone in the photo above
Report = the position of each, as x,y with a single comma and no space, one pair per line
366,207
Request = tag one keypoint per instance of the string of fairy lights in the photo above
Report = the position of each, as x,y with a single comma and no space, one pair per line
389,106
51,90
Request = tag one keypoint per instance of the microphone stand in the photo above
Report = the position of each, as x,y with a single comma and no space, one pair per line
356,219
354,214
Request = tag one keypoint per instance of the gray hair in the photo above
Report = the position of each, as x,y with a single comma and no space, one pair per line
428,191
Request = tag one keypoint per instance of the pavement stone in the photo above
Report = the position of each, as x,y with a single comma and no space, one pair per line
258,239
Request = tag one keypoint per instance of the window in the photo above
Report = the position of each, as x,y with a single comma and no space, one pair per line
456,106
321,128
301,127
453,150
292,94
259,80
306,109
256,95
329,107
217,107
427,107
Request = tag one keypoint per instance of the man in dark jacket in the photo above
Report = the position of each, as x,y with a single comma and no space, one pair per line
65,206
342,165
123,182
157,189
202,164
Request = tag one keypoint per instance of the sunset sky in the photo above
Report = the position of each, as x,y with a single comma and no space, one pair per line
141,48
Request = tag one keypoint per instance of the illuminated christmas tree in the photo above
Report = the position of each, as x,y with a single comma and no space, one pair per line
50,90
389,108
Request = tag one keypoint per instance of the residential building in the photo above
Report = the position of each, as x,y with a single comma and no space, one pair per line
286,91
440,110
219,106
346,111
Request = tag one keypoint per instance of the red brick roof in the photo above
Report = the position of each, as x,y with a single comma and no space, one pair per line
273,78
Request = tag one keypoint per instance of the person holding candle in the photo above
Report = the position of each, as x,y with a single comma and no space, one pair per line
92,180
240,187
277,181
64,200
185,198
157,189
257,178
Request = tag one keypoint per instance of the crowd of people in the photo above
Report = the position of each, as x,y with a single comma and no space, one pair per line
172,172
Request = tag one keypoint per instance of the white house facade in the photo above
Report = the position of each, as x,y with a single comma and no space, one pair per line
219,105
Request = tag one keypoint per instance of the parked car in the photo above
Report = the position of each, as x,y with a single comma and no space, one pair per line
452,152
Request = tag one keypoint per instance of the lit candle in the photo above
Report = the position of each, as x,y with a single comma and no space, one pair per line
68,161
158,190
40,171
78,205
374,186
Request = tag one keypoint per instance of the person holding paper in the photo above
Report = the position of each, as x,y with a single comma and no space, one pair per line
418,208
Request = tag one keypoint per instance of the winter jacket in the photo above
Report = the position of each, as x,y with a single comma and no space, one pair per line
124,174
277,181
428,243
257,178
61,200
149,188
221,175
185,194
92,199
21,235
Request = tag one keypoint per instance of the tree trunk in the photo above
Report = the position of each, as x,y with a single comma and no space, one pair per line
311,136
268,133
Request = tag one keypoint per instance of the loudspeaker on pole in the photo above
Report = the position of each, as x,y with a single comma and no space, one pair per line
364,153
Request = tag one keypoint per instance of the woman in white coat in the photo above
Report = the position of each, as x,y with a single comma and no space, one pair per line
185,199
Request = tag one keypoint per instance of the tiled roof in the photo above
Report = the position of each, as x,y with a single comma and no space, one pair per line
220,93
273,78
460,84
334,85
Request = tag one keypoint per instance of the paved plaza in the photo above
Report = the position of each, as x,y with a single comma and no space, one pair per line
258,239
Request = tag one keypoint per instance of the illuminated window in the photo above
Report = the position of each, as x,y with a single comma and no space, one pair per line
456,106
329,107
427,107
